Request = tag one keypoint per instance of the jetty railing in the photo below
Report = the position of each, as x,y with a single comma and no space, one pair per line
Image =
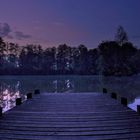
123,100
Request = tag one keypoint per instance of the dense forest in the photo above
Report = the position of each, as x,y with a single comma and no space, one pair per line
118,57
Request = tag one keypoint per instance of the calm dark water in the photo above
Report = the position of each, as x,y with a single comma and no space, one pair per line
12,87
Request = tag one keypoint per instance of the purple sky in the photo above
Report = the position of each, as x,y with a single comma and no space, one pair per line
52,22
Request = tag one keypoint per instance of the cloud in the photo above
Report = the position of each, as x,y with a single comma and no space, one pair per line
20,35
5,30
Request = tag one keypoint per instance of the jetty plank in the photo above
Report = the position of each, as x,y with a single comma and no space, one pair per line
70,116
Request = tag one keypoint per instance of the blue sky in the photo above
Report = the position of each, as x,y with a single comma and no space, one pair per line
53,22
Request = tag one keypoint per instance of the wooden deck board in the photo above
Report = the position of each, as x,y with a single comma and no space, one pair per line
85,116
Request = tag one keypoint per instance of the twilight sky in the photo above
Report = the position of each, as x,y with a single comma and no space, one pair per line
53,22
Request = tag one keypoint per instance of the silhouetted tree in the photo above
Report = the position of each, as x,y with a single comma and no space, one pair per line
83,52
135,62
75,53
92,61
2,54
49,62
110,54
117,59
26,59
121,36
12,56
63,59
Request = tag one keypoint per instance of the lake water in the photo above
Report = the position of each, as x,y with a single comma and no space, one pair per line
12,87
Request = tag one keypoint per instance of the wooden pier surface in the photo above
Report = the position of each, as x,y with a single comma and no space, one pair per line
70,116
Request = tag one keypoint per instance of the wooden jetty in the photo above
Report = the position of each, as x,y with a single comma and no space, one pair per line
70,116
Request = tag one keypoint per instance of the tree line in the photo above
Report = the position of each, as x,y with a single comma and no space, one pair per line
118,57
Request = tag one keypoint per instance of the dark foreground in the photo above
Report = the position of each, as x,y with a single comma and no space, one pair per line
85,116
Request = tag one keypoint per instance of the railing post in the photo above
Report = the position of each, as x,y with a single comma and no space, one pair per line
113,95
0,111
37,91
104,90
124,101
138,109
18,101
29,95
